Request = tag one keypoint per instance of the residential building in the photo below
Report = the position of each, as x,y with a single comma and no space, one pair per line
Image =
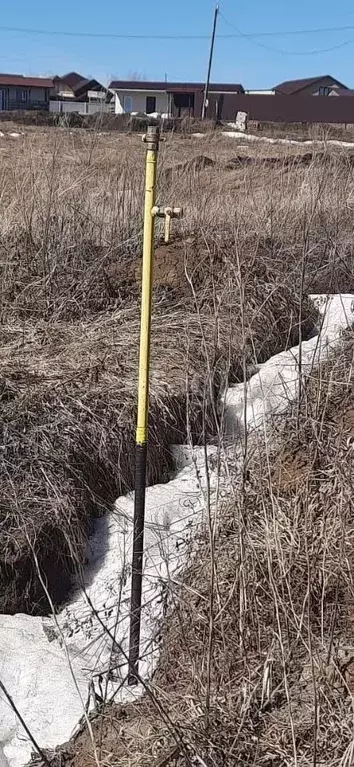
342,92
75,86
172,99
325,85
75,93
262,92
21,92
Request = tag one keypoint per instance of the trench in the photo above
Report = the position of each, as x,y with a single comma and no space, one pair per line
57,667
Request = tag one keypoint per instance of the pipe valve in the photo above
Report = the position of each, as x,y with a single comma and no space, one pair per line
167,213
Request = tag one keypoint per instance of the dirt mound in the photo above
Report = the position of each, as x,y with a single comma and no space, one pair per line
195,165
174,263
289,161
102,279
198,163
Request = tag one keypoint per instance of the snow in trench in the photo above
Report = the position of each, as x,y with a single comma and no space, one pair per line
287,141
251,138
275,384
54,668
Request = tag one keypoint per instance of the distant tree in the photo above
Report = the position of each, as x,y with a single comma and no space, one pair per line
136,76
131,75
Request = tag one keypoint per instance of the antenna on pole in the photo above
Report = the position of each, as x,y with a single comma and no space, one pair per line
206,89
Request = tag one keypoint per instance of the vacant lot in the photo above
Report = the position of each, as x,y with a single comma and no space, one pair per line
263,228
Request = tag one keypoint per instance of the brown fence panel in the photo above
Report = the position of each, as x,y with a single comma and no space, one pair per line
287,109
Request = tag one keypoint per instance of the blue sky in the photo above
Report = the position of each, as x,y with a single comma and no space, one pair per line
254,61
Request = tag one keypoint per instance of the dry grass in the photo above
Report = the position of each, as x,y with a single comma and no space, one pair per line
71,207
304,131
70,243
229,292
274,686
68,395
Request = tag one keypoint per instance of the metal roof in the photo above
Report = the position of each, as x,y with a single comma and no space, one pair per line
288,87
72,79
87,85
26,82
170,87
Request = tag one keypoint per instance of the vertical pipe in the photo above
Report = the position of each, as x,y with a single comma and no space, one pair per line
206,89
152,141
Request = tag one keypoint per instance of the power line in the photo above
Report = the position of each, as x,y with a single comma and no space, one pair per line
313,52
133,36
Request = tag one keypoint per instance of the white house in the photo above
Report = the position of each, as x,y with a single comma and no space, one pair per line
140,97
169,98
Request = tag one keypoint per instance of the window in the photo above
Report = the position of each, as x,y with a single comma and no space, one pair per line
127,104
183,104
150,104
324,90
21,95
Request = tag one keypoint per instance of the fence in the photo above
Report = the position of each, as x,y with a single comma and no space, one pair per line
288,109
80,107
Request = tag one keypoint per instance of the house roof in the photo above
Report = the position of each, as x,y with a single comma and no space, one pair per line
80,84
288,87
72,79
26,82
87,85
345,92
142,85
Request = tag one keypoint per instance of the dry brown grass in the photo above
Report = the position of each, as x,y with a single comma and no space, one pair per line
71,213
230,292
274,686
254,239
70,241
68,395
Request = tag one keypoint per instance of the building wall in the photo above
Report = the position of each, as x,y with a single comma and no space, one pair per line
11,98
139,101
165,102
62,89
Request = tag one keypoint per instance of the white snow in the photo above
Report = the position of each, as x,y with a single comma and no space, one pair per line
286,141
39,658
275,384
37,675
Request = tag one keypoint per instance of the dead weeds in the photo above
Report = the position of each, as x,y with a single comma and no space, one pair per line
274,684
68,401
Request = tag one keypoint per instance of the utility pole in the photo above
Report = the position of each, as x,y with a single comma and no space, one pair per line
206,89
